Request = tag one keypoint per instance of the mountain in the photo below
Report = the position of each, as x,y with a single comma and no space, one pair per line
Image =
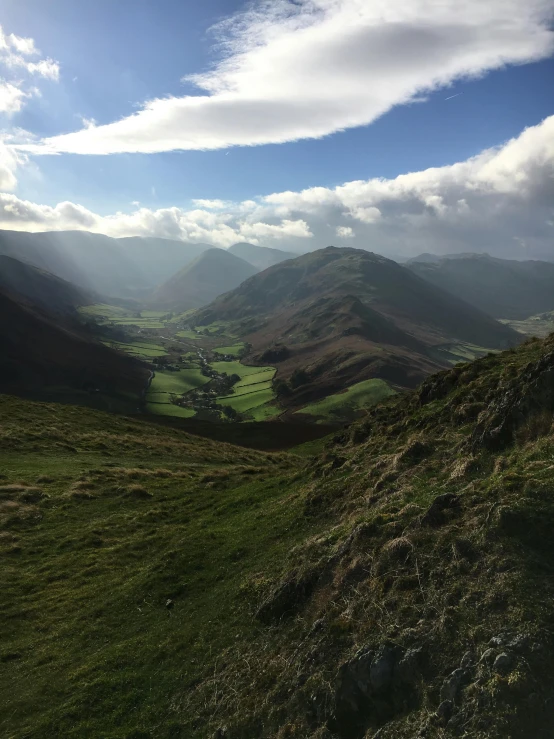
128,267
213,273
394,583
261,257
44,353
40,287
502,288
341,316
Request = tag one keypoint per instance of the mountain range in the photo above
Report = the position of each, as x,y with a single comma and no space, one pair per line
501,287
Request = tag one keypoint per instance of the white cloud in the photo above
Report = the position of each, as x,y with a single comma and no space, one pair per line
211,204
295,69
500,201
23,45
345,232
11,98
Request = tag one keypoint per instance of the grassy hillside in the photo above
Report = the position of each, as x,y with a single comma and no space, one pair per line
337,317
398,585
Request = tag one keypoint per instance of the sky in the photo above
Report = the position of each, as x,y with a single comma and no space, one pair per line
396,127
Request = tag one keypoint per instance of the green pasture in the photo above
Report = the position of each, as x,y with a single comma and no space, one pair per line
358,396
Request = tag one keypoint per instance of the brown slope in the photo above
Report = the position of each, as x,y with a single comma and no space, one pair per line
41,351
346,315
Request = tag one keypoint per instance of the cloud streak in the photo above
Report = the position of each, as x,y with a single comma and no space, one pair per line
500,201
301,69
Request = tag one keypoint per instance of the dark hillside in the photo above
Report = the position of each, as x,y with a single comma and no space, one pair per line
41,353
41,288
502,288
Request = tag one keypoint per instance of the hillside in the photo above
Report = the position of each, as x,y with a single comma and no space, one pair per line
44,355
261,257
40,287
502,288
128,267
347,315
398,585
213,273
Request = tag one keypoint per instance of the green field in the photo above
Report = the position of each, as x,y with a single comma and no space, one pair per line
234,350
454,353
243,370
102,310
169,409
358,396
138,348
177,382
540,325
187,334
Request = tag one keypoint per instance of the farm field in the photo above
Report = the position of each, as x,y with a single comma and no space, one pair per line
234,350
540,325
138,349
358,396
454,353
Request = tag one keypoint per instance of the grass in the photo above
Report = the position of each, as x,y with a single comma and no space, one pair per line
89,647
103,310
138,348
361,395
265,412
187,334
454,353
540,325
233,350
236,368
165,408
248,401
179,382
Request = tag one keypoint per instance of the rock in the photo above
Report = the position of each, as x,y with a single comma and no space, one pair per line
169,604
487,656
408,669
382,667
444,711
467,659
503,663
453,684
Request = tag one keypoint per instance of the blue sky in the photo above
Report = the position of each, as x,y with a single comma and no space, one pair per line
114,57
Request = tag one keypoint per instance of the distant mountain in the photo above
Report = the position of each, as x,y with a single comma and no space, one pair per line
213,273
261,257
502,288
41,351
40,287
129,267
425,257
346,315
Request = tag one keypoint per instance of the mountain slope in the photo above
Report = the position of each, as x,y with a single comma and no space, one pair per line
213,273
125,267
346,315
398,585
261,257
502,288
40,287
41,352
